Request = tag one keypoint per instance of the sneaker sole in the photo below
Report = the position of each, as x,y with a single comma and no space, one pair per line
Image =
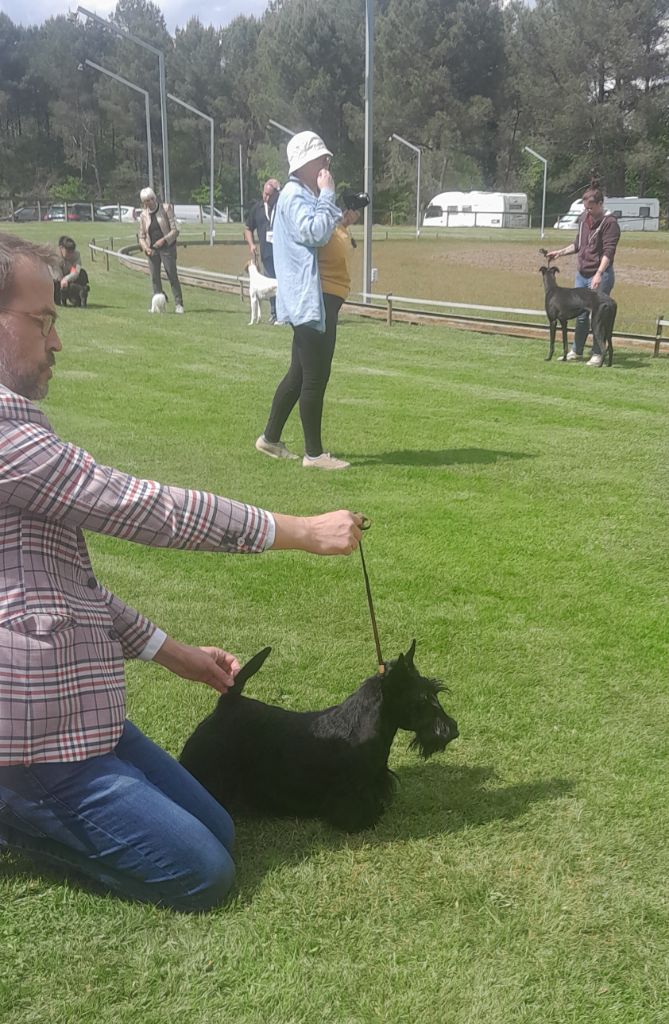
276,455
328,469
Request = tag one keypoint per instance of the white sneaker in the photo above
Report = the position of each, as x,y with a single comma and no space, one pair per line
573,357
178,308
595,360
324,461
275,450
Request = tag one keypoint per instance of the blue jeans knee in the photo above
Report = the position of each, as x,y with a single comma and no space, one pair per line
133,820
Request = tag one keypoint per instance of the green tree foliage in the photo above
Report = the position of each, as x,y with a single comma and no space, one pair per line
470,81
310,67
589,90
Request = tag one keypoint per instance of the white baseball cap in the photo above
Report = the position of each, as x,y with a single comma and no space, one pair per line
303,148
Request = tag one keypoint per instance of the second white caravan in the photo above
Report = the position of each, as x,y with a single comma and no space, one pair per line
633,213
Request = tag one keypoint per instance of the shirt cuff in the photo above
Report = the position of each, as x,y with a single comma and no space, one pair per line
271,530
153,645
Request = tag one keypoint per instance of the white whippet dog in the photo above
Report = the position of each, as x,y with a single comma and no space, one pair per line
260,287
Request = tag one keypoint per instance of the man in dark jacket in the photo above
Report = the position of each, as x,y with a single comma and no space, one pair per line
260,219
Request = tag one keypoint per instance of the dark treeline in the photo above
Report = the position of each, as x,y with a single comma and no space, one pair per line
472,82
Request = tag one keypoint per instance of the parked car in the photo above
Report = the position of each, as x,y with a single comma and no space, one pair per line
56,212
129,214
220,216
75,212
23,213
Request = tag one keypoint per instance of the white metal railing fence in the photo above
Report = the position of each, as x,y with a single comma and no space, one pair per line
391,300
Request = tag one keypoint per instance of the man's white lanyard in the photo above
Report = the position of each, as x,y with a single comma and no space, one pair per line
270,217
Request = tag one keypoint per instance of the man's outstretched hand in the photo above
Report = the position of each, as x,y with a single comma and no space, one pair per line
210,665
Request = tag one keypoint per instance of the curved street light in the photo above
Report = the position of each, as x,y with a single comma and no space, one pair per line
416,149
282,127
206,117
543,205
163,87
147,114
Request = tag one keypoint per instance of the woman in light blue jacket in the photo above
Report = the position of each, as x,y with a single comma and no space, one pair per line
305,218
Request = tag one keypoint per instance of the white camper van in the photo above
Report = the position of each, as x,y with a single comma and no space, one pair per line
477,210
632,212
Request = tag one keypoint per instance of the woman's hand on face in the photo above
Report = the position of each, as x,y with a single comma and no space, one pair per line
325,179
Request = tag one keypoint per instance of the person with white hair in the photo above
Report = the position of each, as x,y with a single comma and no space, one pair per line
158,233
305,219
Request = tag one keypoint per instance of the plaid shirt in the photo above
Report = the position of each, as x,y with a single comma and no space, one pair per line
63,636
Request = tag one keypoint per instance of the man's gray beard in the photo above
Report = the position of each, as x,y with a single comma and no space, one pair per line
20,385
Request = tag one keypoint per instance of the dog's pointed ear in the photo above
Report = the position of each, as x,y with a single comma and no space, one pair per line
396,671
410,653
246,671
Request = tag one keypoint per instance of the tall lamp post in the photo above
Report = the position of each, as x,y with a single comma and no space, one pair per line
206,117
137,88
543,205
416,149
163,87
369,150
241,184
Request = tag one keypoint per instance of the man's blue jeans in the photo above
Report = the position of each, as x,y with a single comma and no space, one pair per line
582,325
133,820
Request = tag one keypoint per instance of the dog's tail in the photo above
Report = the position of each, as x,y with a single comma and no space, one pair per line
246,671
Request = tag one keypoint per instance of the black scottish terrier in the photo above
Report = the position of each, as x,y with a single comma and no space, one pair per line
332,764
76,292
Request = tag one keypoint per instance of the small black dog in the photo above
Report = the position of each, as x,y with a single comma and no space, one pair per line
76,292
331,764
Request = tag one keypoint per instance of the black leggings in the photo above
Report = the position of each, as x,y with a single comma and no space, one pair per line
306,380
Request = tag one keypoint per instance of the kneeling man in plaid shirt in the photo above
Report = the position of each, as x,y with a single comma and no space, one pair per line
80,786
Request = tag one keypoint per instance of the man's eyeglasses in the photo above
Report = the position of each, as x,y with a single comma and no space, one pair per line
45,320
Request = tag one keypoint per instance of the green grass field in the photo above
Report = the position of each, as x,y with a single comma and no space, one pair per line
520,534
